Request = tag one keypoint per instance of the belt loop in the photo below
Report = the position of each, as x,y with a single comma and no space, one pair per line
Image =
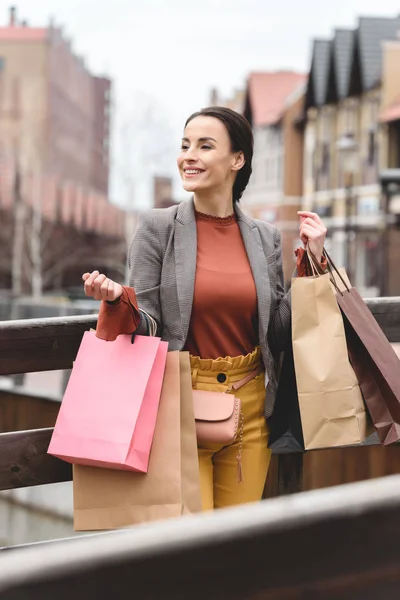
194,378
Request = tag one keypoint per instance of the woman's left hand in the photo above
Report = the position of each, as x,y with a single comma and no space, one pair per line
312,232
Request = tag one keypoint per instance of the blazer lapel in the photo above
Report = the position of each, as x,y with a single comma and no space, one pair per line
185,260
259,267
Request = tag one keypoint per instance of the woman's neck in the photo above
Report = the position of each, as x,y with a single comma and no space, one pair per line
216,205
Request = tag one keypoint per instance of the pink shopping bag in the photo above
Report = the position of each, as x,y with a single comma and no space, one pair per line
109,410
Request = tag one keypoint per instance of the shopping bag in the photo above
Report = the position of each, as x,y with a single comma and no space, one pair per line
108,414
190,484
373,358
332,409
107,499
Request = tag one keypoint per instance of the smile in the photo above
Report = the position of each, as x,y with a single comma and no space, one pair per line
191,172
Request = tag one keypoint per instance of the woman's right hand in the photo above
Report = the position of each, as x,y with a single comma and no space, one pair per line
100,287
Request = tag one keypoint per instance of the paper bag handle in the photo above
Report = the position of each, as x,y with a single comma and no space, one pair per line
318,271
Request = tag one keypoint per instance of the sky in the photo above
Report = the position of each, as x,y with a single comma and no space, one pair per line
165,56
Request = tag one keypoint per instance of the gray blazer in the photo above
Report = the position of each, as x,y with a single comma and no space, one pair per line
162,262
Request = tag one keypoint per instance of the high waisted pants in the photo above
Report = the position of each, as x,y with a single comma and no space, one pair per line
219,479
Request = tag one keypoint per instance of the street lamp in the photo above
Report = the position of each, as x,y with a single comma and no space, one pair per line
347,149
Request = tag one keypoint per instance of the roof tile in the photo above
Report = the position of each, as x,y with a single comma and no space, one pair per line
268,93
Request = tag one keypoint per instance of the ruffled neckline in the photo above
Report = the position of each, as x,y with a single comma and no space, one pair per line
216,220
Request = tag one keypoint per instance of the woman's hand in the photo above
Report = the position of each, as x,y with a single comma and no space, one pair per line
312,232
99,287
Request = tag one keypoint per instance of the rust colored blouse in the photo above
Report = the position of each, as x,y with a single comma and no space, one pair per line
224,319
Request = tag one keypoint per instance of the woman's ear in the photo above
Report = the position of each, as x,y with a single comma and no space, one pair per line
238,161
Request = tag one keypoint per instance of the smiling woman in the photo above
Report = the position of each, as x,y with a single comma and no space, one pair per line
208,279
220,160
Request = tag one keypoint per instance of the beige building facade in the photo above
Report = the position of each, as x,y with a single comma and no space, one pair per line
353,79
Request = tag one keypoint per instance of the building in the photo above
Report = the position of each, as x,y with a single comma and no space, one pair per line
55,115
162,192
273,106
54,166
235,101
351,135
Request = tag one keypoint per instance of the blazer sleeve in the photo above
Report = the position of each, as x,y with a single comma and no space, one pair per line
280,320
145,263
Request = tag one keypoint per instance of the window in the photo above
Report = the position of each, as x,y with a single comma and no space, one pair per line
270,171
15,98
325,125
371,148
325,158
371,261
279,171
351,118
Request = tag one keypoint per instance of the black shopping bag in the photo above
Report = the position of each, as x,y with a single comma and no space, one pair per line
286,434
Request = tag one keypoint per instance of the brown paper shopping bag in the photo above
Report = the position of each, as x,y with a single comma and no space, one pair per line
190,485
109,499
372,356
332,409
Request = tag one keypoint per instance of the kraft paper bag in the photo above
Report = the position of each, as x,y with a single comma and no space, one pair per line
109,410
331,405
373,358
191,498
107,499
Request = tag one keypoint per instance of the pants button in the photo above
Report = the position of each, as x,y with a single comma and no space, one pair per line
221,377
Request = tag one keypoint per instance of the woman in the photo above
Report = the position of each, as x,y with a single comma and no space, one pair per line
208,279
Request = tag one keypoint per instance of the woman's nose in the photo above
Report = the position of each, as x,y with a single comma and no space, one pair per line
191,154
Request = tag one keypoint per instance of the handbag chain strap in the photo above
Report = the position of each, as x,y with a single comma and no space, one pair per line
240,417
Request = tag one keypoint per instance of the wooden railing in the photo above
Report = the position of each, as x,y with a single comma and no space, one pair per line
47,344
340,543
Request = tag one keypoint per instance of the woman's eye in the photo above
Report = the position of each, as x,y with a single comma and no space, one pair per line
205,147
184,147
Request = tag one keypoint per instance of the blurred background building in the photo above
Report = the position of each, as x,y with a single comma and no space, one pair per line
351,136
54,165
55,115
274,194
322,140
163,192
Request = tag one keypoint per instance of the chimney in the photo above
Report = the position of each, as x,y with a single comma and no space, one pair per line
214,97
13,16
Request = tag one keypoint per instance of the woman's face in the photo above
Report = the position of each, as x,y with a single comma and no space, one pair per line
206,160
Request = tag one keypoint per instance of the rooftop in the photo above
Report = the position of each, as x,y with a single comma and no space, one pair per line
268,92
20,31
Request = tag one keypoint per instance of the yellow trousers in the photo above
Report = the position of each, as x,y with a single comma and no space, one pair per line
220,486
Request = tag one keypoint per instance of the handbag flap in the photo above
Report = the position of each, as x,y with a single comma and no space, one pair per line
212,406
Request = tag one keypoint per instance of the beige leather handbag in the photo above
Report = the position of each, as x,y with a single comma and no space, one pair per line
219,417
